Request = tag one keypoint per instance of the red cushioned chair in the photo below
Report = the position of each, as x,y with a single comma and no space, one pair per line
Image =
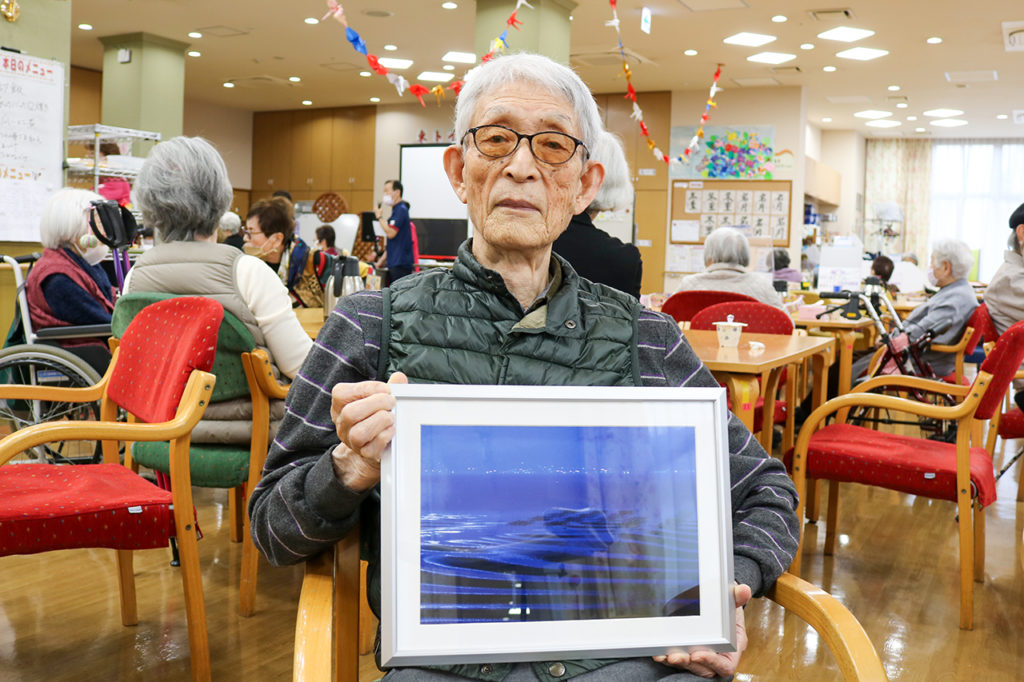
1006,426
946,471
968,343
760,318
159,376
683,305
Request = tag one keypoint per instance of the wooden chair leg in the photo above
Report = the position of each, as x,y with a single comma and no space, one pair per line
236,514
1020,481
126,587
367,621
967,549
192,582
345,629
979,543
250,568
813,497
832,522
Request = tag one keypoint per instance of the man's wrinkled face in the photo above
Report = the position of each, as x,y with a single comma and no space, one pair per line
518,202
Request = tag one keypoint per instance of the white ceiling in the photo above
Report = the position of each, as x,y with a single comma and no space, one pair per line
271,40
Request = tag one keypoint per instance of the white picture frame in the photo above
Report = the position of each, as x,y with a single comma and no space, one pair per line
592,511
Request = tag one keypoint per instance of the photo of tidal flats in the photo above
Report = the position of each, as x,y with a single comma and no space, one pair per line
537,523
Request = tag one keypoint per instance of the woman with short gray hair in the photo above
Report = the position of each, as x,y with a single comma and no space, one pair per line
726,257
183,191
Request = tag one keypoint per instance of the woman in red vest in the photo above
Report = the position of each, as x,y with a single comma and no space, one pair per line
67,286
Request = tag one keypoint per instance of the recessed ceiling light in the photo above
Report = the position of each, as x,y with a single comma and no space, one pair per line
948,122
911,118
771,57
690,53
448,67
845,34
194,53
828,69
448,5
294,79
943,113
365,74
311,20
919,130
85,27
934,40
872,113
195,34
862,54
780,19
902,105
827,119
459,57
394,63
807,46
883,124
749,39
375,99
390,48
894,88
435,76
228,84
307,102
1002,117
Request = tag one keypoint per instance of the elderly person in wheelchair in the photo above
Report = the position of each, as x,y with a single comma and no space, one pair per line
524,125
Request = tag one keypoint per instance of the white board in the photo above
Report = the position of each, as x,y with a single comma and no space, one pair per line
31,141
425,184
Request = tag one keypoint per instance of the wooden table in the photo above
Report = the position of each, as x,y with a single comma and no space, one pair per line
844,330
740,369
311,320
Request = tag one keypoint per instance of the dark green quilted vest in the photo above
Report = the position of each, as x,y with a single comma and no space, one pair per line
464,327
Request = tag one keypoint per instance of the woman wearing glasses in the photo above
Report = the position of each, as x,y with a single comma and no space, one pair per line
509,312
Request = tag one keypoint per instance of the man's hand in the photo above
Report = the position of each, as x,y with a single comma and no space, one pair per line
707,663
362,415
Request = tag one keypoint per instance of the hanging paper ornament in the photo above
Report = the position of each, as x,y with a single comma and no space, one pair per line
418,90
456,86
513,21
438,92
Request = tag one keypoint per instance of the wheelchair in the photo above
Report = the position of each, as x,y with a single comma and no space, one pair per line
894,359
32,357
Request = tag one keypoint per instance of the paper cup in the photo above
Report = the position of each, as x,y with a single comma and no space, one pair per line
729,333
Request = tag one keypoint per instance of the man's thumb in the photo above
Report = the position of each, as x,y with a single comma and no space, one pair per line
398,378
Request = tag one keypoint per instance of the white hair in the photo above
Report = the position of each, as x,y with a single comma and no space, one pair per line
727,245
543,72
230,222
66,217
616,193
955,252
183,189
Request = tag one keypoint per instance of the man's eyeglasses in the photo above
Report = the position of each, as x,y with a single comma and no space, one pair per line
249,232
551,147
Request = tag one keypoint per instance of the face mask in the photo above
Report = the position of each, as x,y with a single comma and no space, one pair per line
253,250
387,200
94,254
932,279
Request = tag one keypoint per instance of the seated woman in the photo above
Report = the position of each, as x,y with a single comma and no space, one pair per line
726,257
270,236
325,240
782,270
67,286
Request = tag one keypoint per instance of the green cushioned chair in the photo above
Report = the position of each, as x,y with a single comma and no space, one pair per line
241,369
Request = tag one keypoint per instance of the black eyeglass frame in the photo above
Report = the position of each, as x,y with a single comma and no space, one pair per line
529,139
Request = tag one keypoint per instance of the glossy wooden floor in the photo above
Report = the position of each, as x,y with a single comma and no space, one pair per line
896,569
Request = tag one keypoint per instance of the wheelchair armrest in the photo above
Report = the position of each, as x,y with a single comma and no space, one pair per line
81,331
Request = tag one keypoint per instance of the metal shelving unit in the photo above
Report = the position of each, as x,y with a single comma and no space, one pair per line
97,134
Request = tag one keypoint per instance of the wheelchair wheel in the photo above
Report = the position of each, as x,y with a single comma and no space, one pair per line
42,365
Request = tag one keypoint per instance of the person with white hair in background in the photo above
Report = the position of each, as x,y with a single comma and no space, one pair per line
592,252
1004,295
726,257
67,285
906,276
230,227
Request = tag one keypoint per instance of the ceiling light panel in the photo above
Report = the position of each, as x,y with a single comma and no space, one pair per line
846,34
872,113
459,57
771,57
883,123
435,76
862,54
749,39
394,63
949,122
943,113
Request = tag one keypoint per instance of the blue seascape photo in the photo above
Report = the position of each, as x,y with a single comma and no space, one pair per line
537,523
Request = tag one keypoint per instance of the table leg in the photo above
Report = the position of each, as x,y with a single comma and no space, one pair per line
820,368
845,338
743,392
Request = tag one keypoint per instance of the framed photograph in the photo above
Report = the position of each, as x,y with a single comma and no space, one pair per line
531,523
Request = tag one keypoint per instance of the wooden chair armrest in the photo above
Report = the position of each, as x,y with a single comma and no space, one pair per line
959,347
86,394
842,633
265,375
904,381
313,643
193,403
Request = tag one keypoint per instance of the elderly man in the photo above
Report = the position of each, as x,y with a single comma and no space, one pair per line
1004,295
726,257
509,312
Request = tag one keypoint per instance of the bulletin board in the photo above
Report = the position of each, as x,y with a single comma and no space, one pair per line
700,206
31,141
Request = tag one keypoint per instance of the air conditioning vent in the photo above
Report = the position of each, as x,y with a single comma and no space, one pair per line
610,57
260,81
1018,116
978,76
1013,36
840,14
757,82
222,31
787,70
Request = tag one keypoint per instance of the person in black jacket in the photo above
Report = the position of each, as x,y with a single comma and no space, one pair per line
591,251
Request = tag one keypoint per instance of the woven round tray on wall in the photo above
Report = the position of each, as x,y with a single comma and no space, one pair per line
328,207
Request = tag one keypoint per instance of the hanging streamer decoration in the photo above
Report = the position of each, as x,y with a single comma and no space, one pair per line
638,114
498,44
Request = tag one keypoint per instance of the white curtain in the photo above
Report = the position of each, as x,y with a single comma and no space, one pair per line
975,186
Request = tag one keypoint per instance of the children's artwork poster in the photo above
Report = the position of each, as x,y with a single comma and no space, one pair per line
728,152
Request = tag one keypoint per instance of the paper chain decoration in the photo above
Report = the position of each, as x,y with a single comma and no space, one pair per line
499,44
638,114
